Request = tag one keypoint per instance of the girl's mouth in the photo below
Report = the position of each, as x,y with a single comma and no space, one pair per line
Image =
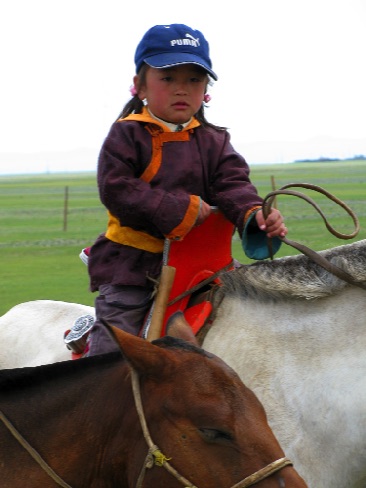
180,105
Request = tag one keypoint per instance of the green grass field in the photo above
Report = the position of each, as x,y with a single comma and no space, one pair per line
40,257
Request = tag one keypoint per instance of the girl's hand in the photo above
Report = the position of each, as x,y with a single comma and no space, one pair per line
273,225
205,211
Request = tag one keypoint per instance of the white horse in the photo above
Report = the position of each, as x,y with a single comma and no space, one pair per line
296,335
31,333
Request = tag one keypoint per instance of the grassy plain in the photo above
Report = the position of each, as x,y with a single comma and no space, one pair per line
40,242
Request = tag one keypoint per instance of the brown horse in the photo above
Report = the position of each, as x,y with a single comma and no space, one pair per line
186,420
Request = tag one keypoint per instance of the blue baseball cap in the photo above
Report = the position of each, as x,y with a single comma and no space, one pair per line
169,45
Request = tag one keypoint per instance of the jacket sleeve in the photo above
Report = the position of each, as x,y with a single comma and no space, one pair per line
124,156
239,200
230,184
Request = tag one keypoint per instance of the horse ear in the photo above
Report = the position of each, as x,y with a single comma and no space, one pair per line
177,326
140,353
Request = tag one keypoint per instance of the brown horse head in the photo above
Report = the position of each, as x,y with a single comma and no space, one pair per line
195,424
229,420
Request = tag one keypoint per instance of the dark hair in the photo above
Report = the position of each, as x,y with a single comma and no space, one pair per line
135,105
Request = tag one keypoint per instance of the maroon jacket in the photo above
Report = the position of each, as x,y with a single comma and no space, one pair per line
150,181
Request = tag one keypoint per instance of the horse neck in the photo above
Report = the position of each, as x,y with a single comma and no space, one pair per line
298,322
91,405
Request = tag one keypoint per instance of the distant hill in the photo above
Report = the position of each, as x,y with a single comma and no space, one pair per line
261,152
360,157
312,149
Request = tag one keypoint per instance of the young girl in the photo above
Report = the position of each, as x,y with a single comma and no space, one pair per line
161,168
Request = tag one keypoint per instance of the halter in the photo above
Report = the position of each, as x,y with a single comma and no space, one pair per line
154,456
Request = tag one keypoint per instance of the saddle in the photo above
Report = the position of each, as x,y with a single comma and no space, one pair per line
198,259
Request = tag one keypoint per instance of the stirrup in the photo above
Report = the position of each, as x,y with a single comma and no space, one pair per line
84,255
75,338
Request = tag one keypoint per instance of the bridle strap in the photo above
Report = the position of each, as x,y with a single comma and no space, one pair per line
154,456
33,452
157,458
263,473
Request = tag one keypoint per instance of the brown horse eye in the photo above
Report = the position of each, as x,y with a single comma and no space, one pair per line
214,435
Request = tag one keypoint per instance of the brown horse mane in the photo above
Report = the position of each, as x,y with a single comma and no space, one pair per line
295,277
25,377
168,342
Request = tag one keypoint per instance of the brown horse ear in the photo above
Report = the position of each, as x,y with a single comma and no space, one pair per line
177,326
140,353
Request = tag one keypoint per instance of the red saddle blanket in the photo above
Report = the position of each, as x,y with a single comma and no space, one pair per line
201,254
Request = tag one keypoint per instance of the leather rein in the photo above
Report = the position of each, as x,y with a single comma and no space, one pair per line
314,256
154,456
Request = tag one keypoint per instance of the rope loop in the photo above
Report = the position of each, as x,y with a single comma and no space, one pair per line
159,457
314,256
269,199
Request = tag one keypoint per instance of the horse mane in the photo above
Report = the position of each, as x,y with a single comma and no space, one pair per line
25,377
295,277
169,342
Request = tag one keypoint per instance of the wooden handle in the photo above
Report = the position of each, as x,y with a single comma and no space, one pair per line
161,302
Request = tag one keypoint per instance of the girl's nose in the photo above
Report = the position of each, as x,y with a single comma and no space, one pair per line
181,88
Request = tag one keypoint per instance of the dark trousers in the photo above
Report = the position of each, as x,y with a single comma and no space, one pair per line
124,307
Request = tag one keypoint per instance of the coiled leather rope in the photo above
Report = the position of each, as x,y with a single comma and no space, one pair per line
313,255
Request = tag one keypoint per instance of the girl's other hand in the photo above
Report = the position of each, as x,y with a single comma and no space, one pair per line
274,224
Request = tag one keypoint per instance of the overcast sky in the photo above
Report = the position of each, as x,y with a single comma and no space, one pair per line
291,73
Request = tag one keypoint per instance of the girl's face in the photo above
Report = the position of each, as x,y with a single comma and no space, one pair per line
174,94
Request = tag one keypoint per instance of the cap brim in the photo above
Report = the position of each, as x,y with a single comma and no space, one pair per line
166,60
